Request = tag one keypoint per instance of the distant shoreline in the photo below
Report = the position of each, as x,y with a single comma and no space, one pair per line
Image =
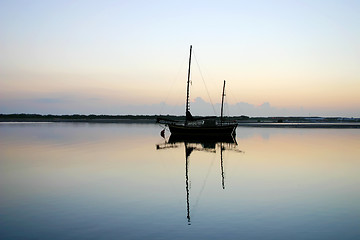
120,121
243,121
144,121
301,125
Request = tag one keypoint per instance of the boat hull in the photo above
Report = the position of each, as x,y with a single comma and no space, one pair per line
224,130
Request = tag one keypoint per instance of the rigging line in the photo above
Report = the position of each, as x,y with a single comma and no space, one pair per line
203,186
172,86
236,102
233,96
226,104
202,77
227,107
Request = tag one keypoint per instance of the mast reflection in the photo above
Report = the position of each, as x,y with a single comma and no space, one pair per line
208,144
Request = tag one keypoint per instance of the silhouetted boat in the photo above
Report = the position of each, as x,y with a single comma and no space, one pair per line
200,126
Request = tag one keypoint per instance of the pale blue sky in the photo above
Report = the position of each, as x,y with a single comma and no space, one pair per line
104,57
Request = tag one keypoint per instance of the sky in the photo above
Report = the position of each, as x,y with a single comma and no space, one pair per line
279,58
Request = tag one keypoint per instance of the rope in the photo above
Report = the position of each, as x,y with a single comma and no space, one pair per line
226,105
207,91
171,87
236,101
232,95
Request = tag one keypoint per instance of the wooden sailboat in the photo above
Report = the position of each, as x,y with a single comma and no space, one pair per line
201,126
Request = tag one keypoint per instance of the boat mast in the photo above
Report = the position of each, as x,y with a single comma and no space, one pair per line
222,103
187,89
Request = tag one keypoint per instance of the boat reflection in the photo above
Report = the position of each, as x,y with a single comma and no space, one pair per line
198,143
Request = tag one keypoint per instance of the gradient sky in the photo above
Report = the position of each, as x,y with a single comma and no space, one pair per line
128,57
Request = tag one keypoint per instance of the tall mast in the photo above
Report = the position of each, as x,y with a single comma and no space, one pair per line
187,88
222,103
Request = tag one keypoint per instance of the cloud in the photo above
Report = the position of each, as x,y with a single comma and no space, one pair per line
86,105
201,107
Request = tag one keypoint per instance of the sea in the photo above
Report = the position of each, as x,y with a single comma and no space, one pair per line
125,181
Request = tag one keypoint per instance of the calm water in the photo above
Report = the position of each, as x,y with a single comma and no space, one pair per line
109,181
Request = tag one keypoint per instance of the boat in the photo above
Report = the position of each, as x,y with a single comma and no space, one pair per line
200,126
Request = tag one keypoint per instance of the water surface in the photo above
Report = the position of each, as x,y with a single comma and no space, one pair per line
109,181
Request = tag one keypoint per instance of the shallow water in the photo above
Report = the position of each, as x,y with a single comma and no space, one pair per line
109,181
